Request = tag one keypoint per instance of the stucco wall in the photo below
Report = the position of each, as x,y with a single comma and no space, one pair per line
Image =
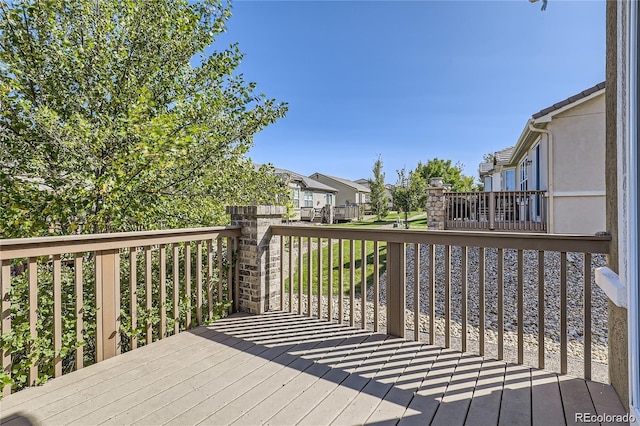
579,147
579,153
579,215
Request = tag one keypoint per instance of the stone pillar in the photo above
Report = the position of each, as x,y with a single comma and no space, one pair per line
436,208
258,257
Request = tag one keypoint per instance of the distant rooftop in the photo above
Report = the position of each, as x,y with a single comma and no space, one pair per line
306,181
347,182
569,100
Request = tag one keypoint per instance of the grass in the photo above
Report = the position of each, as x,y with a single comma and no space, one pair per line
335,272
417,220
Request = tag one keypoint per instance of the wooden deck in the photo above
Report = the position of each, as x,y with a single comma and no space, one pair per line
281,369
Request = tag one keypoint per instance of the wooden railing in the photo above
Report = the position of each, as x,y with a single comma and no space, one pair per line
73,284
346,213
527,279
499,211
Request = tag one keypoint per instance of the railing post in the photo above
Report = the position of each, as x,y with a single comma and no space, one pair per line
436,205
492,211
396,281
108,274
258,257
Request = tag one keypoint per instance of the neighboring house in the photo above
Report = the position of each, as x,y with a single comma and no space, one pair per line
365,182
307,193
491,174
561,151
349,192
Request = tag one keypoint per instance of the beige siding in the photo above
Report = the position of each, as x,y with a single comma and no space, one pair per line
345,195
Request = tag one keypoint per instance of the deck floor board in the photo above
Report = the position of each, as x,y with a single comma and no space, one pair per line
284,369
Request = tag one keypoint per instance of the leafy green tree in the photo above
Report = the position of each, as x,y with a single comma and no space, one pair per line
379,198
450,174
113,117
409,193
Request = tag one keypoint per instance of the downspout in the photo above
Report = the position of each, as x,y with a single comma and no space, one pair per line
534,129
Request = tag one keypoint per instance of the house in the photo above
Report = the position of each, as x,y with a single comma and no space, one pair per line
349,192
491,174
560,151
308,195
388,187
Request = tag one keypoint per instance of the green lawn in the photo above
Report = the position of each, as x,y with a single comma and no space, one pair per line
417,220
346,264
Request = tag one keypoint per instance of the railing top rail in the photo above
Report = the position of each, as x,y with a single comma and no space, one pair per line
44,246
528,192
506,240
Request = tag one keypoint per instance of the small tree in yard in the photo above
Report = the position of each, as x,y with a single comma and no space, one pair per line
379,198
451,174
409,194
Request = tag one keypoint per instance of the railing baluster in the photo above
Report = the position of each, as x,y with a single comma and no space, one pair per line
148,293
363,284
481,278
500,304
199,301
187,282
229,274
299,275
220,270
520,307
352,281
416,292
290,274
309,276
587,316
432,294
176,288
447,297
376,284
209,280
282,273
33,314
463,284
541,303
563,312
57,316
320,267
5,318
340,281
133,293
330,279
163,291
236,276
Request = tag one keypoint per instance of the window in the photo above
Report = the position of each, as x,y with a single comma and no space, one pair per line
487,183
524,175
296,197
329,199
510,180
308,199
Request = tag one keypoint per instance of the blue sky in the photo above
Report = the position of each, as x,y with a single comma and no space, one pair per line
412,80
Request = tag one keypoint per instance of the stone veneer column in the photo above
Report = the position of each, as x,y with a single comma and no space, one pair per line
258,257
436,211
